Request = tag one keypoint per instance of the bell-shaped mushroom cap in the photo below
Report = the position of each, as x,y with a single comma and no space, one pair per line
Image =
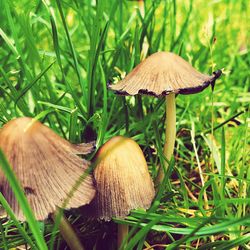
47,167
163,73
122,179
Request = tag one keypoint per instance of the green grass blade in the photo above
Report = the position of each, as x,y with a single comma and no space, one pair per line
183,28
4,241
223,162
32,83
14,94
229,244
132,243
16,222
72,50
58,56
9,42
105,116
73,126
91,79
62,108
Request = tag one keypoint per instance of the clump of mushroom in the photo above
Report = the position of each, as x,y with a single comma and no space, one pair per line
165,74
122,181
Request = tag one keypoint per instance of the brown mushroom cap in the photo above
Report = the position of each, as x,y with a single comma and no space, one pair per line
47,167
163,73
122,179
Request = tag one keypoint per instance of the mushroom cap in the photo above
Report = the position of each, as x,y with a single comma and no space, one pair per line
163,73
47,167
122,179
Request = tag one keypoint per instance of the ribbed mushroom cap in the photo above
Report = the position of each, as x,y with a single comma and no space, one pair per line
47,167
122,179
163,73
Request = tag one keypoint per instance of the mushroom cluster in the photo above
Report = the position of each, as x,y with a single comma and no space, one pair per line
48,167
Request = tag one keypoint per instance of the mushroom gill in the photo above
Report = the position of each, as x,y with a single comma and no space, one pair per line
163,73
122,179
47,167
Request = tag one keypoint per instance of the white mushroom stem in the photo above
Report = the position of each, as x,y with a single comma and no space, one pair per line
122,234
170,134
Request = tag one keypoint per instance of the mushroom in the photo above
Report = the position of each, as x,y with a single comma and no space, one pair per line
122,181
47,166
165,74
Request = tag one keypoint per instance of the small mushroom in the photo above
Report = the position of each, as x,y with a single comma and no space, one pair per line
47,167
122,181
165,74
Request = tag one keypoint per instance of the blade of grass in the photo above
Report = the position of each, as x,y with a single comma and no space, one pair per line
220,125
58,56
73,126
230,244
220,227
26,28
4,114
183,28
72,50
177,243
105,117
33,82
4,242
62,108
223,164
95,46
141,233
199,164
16,222
14,94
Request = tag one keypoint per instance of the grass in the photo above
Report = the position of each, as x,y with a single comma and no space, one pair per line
56,58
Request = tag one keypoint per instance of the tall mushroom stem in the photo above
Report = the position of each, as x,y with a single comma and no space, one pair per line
67,232
122,233
170,134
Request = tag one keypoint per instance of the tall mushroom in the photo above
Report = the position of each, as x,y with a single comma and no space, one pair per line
47,167
122,181
165,74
